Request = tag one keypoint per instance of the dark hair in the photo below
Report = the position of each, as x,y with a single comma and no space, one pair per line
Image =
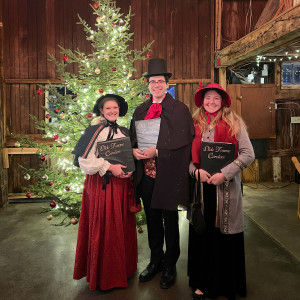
101,104
165,76
120,100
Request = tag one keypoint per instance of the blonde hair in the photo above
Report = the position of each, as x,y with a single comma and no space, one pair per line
234,121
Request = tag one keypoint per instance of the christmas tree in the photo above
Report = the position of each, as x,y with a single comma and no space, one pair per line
107,70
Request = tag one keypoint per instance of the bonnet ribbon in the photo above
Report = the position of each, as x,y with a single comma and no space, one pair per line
208,116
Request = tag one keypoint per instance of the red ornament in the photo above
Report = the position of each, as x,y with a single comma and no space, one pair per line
66,57
147,96
48,116
67,188
101,91
114,69
56,137
148,55
43,158
90,115
145,80
56,110
114,24
74,96
39,91
74,221
140,230
28,195
95,5
53,204
51,183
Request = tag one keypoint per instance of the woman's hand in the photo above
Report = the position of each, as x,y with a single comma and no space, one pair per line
126,175
204,176
117,170
216,179
138,154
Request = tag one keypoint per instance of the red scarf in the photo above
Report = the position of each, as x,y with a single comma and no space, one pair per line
154,111
222,134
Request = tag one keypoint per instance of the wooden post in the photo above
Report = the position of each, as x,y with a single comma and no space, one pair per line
297,165
3,170
222,78
218,22
276,161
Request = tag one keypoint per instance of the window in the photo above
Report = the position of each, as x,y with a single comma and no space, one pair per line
290,73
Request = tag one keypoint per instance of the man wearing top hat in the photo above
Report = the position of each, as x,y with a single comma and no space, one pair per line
161,176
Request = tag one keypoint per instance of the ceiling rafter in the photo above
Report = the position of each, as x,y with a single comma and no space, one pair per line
284,29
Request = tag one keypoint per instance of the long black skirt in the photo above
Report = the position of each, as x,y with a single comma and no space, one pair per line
216,261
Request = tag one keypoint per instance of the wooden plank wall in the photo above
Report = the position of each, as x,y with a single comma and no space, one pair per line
3,172
183,32
239,18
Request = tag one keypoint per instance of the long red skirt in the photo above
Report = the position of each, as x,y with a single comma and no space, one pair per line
106,250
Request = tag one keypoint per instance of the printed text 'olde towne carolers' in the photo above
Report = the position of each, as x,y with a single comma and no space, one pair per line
217,149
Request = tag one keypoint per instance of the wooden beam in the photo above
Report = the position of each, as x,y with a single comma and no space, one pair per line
285,28
218,22
178,81
222,78
54,81
21,150
32,81
37,138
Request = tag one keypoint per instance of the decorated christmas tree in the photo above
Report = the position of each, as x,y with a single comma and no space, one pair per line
108,69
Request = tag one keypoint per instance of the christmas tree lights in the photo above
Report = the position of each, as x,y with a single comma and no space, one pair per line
109,68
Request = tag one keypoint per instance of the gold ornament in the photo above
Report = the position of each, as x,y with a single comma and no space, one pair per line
106,56
17,144
62,115
132,93
49,218
26,176
97,71
129,74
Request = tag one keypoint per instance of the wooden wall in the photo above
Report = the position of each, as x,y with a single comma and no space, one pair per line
278,166
3,172
239,19
183,32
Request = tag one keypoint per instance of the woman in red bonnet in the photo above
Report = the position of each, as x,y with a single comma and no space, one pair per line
216,258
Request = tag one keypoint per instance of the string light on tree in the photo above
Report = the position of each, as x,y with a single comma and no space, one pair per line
107,69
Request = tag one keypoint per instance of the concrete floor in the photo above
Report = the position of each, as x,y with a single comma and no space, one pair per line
36,260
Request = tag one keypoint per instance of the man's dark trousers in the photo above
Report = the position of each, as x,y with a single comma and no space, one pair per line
160,224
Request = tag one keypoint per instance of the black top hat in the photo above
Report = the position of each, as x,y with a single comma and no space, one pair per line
156,67
122,104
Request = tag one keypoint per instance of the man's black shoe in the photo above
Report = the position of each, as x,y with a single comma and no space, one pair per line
150,272
168,278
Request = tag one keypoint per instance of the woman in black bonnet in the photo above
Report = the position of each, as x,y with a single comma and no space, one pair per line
106,250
